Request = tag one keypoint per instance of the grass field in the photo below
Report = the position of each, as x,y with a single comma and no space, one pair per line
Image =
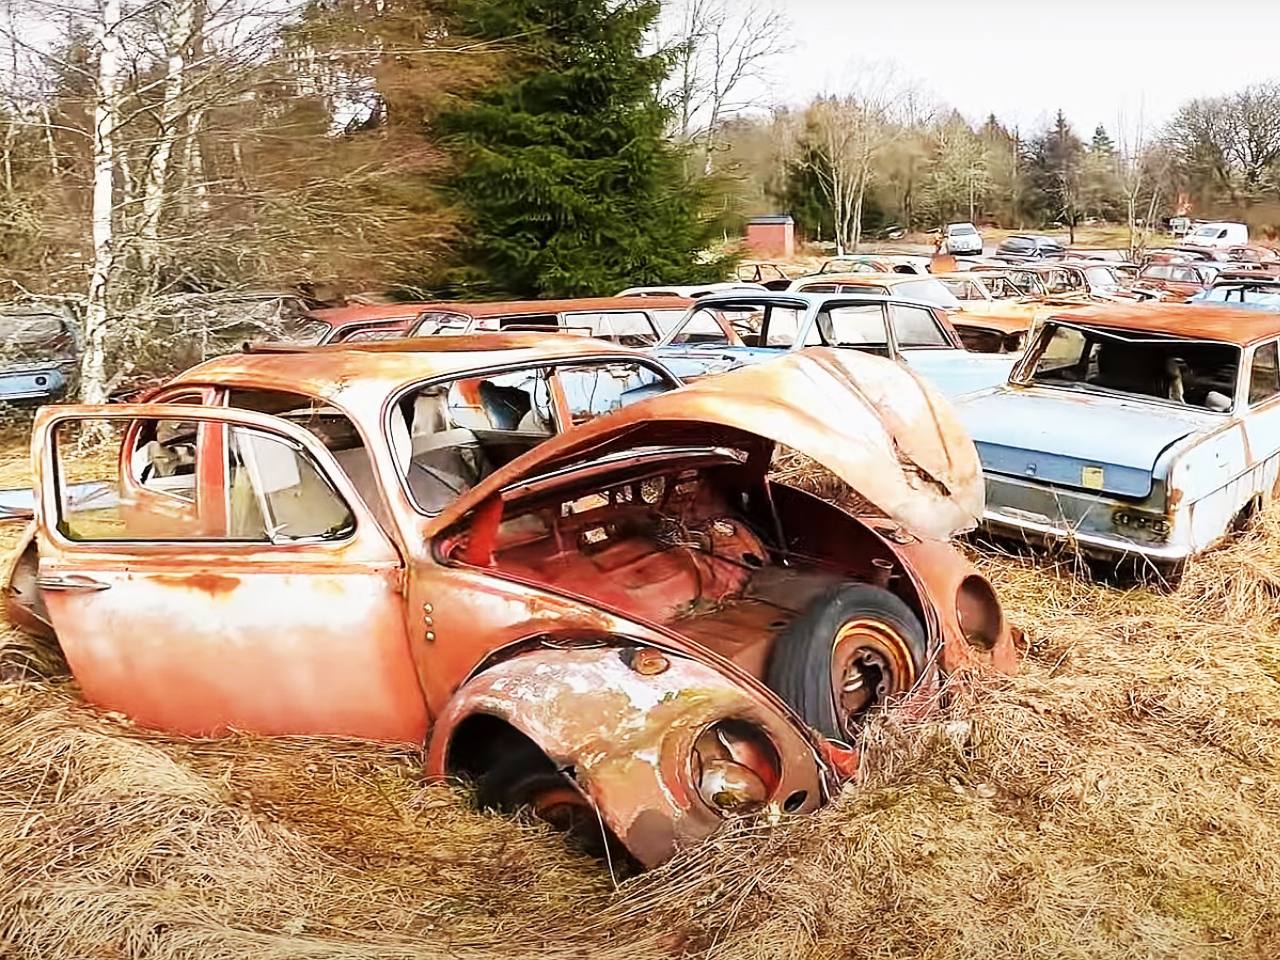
1120,798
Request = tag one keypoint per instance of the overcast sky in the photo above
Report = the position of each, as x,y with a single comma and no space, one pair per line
1023,59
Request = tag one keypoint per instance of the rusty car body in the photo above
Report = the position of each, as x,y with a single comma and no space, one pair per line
725,332
618,618
1141,432
626,320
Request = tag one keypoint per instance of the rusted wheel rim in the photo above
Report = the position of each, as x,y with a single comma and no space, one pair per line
869,662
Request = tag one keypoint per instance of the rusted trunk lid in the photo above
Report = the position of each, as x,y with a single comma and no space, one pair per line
872,422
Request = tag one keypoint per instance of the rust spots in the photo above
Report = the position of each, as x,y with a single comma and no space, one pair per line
214,584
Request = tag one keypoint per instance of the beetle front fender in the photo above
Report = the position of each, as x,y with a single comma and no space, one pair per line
628,738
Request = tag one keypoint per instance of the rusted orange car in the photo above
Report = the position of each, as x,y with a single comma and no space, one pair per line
570,577
621,320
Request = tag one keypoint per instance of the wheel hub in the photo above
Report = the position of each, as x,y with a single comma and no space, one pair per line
870,661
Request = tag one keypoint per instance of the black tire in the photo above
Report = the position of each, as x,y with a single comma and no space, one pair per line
801,667
522,778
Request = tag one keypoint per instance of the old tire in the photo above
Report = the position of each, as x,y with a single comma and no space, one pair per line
852,648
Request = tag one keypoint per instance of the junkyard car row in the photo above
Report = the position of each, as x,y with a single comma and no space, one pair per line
545,540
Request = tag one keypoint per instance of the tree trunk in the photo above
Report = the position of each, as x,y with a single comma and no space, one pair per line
93,362
48,139
155,176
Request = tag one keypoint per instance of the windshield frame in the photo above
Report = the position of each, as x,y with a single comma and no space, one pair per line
1023,372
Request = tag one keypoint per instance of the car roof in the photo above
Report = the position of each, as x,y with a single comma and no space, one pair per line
863,279
495,308
381,366
1194,321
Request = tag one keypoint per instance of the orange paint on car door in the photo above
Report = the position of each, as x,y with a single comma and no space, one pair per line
273,635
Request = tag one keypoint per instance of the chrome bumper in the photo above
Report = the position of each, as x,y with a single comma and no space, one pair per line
1090,544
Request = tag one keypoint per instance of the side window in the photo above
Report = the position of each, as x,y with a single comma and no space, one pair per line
819,288
702,328
370,334
916,327
226,483
532,321
631,328
855,325
1263,375
431,324
781,327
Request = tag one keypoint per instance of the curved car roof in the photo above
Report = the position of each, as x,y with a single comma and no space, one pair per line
381,366
494,308
1195,322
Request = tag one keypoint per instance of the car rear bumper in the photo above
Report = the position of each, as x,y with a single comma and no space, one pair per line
1099,546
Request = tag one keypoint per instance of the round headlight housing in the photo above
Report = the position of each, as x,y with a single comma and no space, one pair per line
979,612
735,767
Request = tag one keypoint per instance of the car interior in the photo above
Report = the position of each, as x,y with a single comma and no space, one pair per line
1191,372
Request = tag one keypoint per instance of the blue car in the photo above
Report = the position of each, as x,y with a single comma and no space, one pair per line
1250,294
39,352
1143,432
722,333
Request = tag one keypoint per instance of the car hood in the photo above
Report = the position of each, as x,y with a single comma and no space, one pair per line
958,372
1052,435
871,422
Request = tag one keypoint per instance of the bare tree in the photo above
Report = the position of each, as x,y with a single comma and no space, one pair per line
846,134
1142,169
93,373
720,49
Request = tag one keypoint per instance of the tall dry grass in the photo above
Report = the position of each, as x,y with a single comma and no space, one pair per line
1118,799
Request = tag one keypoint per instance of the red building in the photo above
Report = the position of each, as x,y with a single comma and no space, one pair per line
771,238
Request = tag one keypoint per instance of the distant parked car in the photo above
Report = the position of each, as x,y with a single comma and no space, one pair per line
1218,234
630,321
877,263
725,332
39,352
1175,281
960,238
767,273
929,289
1253,293
1027,246
692,291
1143,431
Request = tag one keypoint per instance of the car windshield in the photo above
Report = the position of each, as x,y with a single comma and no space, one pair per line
1173,272
705,325
928,289
33,336
1193,373
961,229
1208,232
447,437
1101,278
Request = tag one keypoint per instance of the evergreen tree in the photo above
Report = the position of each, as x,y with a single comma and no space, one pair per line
1102,143
568,182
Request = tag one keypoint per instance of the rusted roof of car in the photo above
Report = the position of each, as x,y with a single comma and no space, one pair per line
869,279
383,365
1001,323
1195,322
494,308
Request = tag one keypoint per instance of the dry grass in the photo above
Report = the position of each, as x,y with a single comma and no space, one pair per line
1120,798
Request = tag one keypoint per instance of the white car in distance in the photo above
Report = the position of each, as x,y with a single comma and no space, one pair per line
961,238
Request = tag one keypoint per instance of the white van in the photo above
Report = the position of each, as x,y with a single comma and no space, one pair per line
1218,234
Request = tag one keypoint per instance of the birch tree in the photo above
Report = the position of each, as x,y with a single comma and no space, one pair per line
721,50
93,372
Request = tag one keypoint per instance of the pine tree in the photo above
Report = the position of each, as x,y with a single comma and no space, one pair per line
1102,143
568,181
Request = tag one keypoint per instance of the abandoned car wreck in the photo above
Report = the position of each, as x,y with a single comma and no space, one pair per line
568,575
1142,433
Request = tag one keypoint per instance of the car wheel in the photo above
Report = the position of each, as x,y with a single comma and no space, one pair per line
524,779
851,649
